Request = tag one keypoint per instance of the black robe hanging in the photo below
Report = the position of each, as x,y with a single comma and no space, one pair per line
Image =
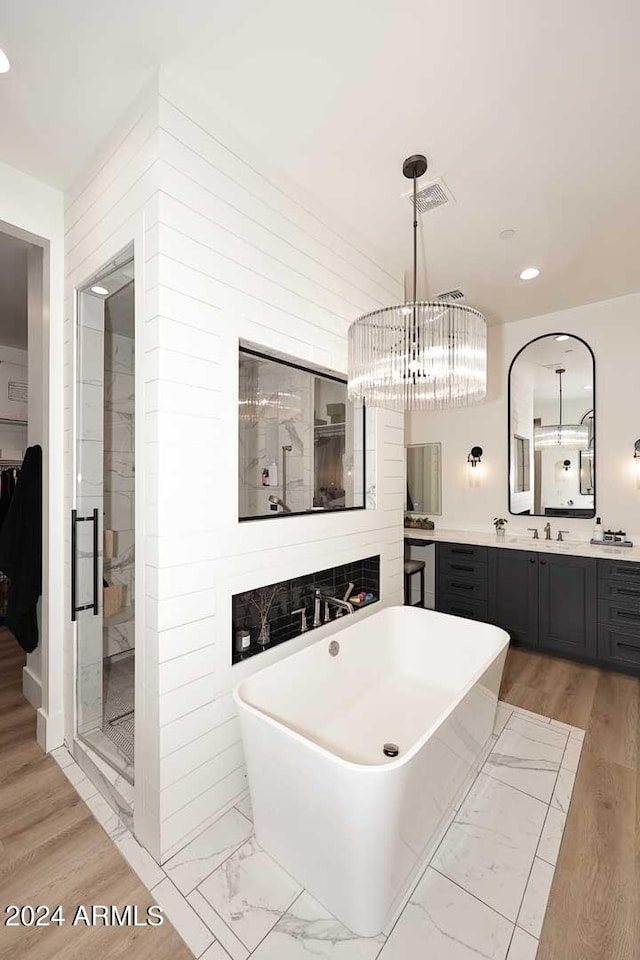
21,551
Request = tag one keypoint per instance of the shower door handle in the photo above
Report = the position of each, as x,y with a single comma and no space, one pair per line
75,520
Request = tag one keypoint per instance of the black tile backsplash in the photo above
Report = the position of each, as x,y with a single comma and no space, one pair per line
297,593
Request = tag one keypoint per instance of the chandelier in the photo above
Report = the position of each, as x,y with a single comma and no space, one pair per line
422,355
573,436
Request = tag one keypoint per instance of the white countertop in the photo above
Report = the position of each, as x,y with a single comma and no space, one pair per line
572,548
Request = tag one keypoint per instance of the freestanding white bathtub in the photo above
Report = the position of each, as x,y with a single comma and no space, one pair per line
354,826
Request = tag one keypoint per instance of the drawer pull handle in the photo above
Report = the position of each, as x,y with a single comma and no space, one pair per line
461,566
532,559
468,553
462,586
627,616
463,612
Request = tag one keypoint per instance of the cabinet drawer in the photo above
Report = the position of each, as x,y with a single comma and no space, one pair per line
462,586
619,570
463,607
463,568
623,592
459,551
619,647
623,617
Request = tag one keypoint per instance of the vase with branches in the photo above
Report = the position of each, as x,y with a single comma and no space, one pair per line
262,599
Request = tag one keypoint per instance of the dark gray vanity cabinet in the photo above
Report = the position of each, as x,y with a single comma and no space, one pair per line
462,581
513,594
547,602
567,605
619,614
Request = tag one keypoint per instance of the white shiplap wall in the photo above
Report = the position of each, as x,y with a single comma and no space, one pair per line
224,251
112,204
235,255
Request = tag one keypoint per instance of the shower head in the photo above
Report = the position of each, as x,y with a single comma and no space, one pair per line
280,503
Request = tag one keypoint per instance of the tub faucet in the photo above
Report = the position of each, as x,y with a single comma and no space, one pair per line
320,598
547,531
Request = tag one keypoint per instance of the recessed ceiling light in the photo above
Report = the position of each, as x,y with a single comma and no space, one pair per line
507,234
562,336
530,273
5,66
101,291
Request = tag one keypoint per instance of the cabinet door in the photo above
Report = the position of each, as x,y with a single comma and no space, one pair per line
513,593
567,589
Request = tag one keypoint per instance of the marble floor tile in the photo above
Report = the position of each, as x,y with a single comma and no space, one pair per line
307,929
62,757
536,896
245,807
523,946
571,757
73,773
85,788
559,725
106,817
140,860
215,952
234,947
491,844
551,838
536,717
577,734
443,922
191,928
528,756
203,855
250,892
503,712
563,789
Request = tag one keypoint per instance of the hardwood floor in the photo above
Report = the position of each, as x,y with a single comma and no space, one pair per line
52,851
594,908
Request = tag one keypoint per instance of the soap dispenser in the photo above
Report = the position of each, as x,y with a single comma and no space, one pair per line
597,531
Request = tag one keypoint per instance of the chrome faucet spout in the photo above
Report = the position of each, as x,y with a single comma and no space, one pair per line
547,531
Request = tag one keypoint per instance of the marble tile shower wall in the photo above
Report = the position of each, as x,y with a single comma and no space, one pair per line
119,432
298,593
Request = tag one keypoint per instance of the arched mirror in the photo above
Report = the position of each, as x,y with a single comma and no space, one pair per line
552,428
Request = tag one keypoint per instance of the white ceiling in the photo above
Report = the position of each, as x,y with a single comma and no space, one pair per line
528,110
13,292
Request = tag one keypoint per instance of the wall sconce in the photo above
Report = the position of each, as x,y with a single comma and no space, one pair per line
475,456
566,465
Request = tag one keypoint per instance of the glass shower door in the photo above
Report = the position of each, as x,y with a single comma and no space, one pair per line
103,519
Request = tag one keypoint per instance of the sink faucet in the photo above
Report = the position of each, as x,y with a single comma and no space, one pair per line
547,531
560,537
534,530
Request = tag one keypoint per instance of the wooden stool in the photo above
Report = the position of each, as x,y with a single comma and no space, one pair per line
411,567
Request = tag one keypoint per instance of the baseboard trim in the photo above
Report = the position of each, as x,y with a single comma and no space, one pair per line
31,688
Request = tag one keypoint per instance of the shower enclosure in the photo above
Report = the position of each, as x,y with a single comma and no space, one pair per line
301,442
102,534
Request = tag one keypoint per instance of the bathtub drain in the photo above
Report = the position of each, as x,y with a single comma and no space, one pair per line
391,749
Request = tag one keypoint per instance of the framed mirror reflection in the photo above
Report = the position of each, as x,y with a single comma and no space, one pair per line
552,428
424,479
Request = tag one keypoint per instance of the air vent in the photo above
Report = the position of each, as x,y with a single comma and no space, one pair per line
431,195
451,295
